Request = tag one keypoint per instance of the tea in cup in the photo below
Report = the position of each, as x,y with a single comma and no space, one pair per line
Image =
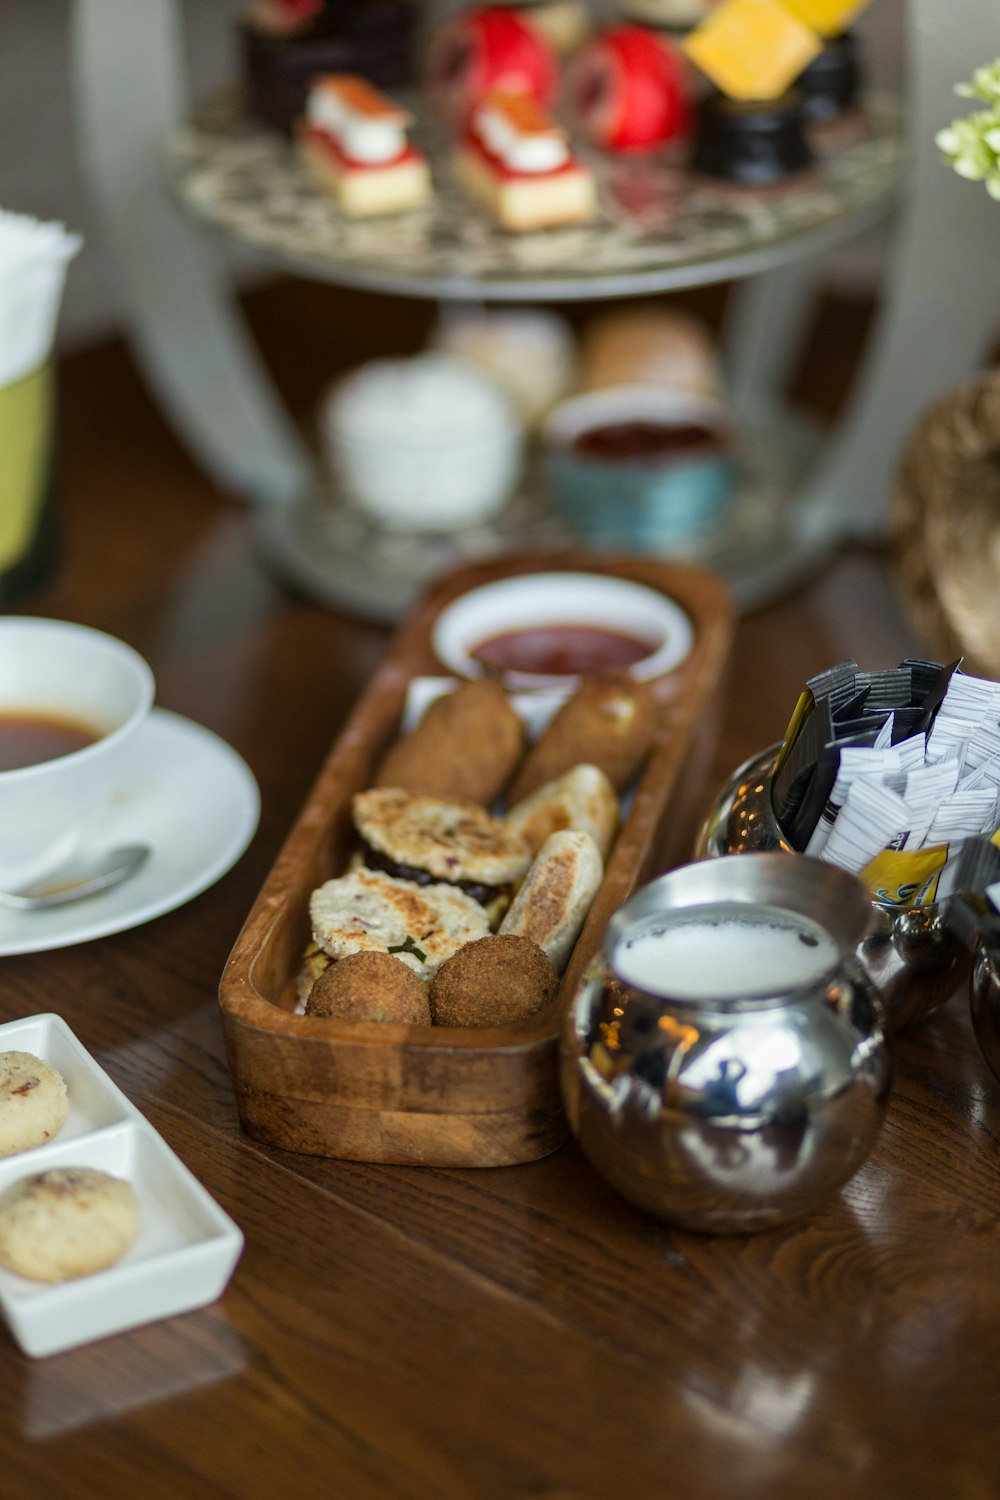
72,700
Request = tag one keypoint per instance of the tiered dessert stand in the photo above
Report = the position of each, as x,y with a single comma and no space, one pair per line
799,498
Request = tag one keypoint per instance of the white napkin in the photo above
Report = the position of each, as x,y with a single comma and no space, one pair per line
33,261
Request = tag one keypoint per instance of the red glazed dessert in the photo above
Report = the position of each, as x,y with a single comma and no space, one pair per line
484,50
629,91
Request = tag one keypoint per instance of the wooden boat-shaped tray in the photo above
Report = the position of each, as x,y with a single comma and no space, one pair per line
435,1095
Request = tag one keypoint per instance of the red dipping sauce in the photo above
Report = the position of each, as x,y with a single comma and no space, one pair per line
643,441
561,651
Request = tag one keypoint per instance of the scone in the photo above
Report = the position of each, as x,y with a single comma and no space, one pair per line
33,1102
66,1222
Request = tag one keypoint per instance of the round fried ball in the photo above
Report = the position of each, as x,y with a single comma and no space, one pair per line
370,986
492,981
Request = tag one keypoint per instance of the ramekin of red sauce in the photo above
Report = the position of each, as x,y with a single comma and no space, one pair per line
639,466
549,629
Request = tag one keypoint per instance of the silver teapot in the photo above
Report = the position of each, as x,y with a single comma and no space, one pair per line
722,1093
910,954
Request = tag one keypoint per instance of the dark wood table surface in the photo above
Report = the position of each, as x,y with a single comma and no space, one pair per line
508,1333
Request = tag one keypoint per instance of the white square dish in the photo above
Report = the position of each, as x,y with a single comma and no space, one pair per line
186,1248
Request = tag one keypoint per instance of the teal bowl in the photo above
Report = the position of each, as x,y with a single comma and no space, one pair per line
639,501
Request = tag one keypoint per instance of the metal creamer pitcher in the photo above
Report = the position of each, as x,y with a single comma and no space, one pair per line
724,1063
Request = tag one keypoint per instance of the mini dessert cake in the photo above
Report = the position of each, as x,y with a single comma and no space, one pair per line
751,132
565,24
354,145
517,161
285,44
483,49
672,15
628,91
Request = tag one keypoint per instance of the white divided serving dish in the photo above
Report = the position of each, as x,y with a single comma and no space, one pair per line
187,1247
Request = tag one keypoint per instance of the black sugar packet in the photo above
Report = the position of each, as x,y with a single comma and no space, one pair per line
850,708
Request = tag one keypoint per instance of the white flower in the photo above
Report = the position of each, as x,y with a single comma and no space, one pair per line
971,145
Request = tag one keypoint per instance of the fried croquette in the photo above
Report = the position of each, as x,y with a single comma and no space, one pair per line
370,987
609,722
582,801
493,981
465,747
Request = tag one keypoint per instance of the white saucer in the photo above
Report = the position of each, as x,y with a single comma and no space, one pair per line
188,795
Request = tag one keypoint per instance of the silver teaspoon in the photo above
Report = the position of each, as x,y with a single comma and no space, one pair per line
74,881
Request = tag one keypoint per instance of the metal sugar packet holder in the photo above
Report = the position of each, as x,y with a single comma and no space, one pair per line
911,952
969,893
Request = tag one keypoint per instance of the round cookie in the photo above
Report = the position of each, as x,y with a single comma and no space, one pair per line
66,1222
33,1102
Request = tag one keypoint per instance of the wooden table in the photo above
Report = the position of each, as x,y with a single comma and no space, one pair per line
505,1334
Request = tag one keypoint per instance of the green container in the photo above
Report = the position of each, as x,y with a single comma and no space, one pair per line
27,484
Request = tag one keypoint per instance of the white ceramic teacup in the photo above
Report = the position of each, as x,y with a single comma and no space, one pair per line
54,670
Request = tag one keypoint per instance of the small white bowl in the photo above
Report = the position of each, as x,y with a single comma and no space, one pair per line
540,599
428,443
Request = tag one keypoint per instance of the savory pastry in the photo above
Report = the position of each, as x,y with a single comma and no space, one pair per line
552,903
517,161
582,800
610,722
366,910
430,839
33,1102
370,987
354,145
466,746
494,981
66,1222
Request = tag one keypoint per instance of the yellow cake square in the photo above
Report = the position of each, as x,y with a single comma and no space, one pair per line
752,49
829,17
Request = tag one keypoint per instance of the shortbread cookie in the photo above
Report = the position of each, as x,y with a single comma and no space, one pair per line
66,1222
33,1102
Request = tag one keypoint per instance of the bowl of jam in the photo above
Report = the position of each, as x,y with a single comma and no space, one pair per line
638,466
550,629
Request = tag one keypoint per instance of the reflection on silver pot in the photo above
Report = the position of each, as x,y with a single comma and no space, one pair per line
724,1064
909,953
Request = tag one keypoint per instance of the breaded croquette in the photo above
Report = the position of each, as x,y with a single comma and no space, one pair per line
493,981
465,747
610,722
370,987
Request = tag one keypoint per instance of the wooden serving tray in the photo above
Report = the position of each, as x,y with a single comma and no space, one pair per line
434,1095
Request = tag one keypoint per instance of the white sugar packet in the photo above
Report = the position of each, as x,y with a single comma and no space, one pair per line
855,761
33,260
873,818
963,815
924,789
968,702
